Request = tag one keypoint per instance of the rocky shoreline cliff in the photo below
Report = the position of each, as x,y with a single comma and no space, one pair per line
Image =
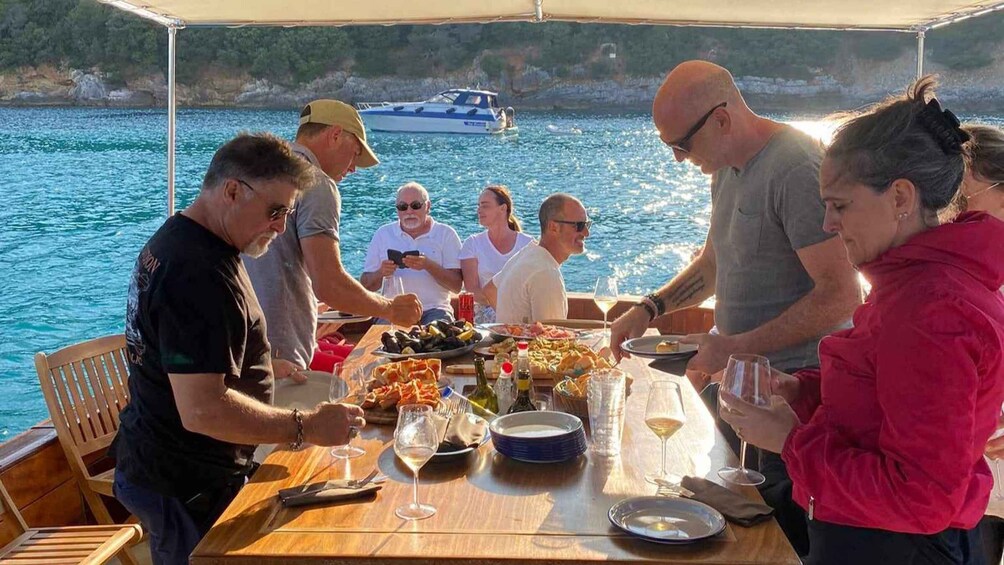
980,90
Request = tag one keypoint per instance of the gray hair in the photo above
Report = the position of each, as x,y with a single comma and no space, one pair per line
416,186
906,137
551,208
258,156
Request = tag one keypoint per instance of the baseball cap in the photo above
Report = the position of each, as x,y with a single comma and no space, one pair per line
336,113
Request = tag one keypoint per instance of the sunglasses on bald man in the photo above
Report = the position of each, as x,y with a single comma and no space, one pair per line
416,205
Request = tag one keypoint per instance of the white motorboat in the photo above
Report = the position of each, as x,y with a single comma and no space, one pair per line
451,111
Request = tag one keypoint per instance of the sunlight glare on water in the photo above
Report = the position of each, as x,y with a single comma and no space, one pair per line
83,189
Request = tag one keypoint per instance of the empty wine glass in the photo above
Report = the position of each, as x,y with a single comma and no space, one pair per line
347,386
664,415
605,296
415,442
392,286
746,377
998,477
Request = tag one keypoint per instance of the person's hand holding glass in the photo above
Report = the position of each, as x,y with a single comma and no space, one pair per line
347,387
415,442
605,296
664,415
746,377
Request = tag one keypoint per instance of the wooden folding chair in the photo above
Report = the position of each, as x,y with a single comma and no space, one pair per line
83,545
85,388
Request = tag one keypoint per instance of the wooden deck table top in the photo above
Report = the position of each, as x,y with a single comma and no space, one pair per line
490,509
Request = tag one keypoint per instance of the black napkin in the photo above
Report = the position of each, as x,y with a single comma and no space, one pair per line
460,431
325,492
734,506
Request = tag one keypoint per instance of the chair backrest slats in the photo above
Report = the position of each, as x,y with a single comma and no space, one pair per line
74,374
86,388
94,368
64,404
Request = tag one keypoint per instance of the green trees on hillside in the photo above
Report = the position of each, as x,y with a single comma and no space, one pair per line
85,34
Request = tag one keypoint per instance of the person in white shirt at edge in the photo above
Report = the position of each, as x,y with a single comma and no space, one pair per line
432,274
484,254
530,287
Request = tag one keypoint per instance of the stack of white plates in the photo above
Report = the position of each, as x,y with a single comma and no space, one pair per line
539,437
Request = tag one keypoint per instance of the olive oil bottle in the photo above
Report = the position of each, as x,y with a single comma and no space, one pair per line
483,394
524,383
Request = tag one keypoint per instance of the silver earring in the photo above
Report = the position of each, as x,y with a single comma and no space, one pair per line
901,215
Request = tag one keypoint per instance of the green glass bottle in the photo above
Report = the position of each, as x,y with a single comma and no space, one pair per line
483,394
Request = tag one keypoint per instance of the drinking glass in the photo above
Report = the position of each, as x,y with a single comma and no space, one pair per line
746,377
605,396
664,415
998,477
347,387
605,296
415,442
392,286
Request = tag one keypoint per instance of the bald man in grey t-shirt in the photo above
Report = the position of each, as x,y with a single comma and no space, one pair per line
780,281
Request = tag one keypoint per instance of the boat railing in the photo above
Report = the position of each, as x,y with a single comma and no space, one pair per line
368,105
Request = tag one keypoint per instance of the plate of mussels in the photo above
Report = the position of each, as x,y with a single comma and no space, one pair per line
438,340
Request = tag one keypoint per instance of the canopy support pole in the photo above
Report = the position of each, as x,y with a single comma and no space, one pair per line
172,109
920,54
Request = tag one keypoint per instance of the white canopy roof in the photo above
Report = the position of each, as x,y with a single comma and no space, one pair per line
901,15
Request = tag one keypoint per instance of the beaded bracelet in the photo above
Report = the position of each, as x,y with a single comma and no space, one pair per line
657,303
298,417
649,309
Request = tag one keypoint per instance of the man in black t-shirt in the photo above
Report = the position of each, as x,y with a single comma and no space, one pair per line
200,377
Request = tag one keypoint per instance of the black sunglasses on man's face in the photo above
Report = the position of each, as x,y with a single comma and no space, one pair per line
275,212
416,205
579,226
683,144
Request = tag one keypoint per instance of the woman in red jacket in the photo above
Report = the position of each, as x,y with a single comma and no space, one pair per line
884,443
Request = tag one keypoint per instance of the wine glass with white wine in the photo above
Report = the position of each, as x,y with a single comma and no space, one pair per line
664,415
605,297
415,442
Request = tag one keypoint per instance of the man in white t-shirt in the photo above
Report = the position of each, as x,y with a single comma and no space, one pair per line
420,250
530,287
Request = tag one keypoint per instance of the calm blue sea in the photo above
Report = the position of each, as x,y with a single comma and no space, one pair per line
83,189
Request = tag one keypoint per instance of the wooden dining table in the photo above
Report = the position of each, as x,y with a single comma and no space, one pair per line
490,509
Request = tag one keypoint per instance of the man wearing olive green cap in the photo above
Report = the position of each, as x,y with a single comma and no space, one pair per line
304,265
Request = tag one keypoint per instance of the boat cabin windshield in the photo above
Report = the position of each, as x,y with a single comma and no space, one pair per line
444,98
463,98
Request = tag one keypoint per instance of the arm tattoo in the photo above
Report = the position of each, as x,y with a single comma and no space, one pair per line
686,290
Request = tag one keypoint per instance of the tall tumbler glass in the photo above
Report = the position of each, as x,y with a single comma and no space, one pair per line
605,397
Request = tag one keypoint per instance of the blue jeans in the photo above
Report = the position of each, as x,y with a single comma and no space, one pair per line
428,316
175,527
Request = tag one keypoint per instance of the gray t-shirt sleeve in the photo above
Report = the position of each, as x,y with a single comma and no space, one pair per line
798,207
318,211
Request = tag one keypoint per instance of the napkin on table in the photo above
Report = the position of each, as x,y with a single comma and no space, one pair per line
324,492
734,506
460,430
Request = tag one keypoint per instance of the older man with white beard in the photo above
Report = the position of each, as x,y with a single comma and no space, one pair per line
420,250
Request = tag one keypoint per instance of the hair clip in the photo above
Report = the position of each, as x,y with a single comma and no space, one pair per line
944,125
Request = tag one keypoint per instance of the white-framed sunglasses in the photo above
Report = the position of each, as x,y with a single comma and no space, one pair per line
971,196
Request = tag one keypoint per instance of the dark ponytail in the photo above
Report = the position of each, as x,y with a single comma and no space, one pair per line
502,196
